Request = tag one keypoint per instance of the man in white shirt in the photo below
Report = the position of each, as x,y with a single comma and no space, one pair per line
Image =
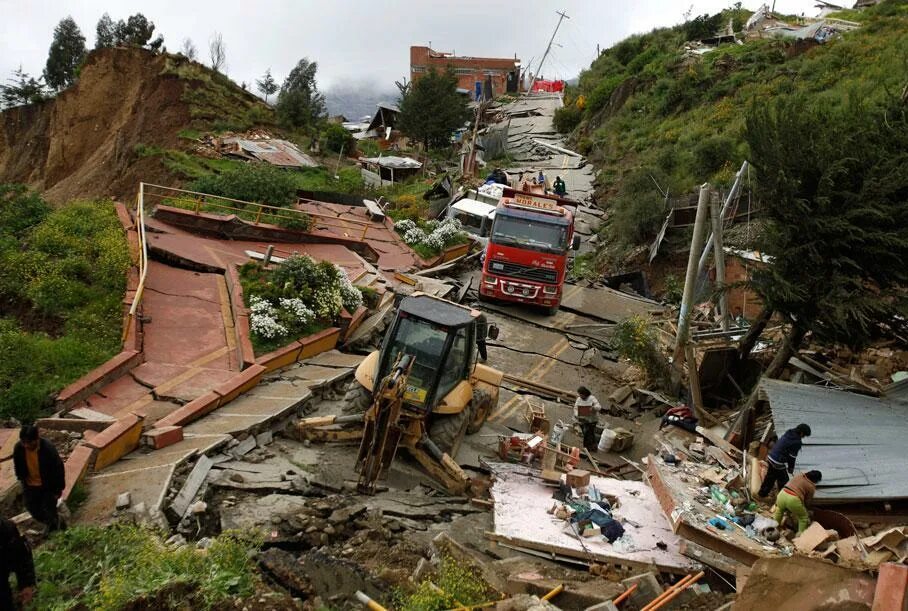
586,413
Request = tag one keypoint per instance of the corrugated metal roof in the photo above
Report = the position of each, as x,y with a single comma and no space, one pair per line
858,442
390,161
274,151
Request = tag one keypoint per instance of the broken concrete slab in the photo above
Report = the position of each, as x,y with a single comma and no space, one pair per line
255,513
244,447
191,486
804,583
123,501
264,439
812,538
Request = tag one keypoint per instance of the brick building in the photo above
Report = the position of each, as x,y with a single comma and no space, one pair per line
504,72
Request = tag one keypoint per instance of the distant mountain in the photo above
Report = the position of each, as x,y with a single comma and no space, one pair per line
355,100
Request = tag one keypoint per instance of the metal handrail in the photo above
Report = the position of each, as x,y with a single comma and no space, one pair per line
214,201
143,258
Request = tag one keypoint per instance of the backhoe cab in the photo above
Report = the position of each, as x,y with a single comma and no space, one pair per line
446,384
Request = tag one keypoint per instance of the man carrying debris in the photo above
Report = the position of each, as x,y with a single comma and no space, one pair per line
782,458
15,557
586,410
40,470
795,497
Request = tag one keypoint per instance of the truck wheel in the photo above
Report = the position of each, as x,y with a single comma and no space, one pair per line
447,431
480,408
356,398
551,311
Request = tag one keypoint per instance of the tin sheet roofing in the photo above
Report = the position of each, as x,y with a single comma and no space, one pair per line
858,442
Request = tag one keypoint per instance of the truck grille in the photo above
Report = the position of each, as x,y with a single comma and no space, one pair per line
524,272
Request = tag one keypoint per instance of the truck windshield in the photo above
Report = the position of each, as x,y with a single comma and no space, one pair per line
425,342
527,233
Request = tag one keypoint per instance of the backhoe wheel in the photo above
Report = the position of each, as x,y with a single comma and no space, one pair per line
480,408
356,398
447,430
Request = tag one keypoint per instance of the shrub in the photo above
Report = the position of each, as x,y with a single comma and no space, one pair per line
635,340
712,153
567,118
451,586
603,93
296,298
338,139
252,182
20,209
430,238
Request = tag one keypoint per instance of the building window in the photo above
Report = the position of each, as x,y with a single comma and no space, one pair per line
417,69
464,71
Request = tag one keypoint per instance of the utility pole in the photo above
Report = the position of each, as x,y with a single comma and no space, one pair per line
719,256
561,17
690,282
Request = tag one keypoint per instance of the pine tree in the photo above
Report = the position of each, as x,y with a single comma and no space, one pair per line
22,89
105,32
299,104
431,109
267,86
833,200
66,54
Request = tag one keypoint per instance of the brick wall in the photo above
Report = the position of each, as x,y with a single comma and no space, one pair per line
468,69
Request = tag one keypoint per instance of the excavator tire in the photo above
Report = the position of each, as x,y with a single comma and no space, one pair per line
356,398
447,430
480,408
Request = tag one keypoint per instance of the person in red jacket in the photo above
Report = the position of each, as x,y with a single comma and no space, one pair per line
40,470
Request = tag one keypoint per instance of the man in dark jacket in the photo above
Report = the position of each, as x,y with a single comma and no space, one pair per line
39,467
782,458
15,557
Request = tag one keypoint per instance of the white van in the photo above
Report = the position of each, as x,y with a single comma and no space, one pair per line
476,217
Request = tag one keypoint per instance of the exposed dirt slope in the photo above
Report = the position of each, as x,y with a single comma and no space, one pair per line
82,143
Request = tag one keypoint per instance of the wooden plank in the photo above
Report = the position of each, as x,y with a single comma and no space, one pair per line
718,441
709,557
180,504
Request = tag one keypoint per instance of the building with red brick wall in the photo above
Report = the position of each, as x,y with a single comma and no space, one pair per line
504,72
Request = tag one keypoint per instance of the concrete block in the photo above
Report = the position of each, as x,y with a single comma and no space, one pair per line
76,466
606,606
240,383
263,439
162,437
891,588
244,447
116,441
98,377
648,588
124,500
192,411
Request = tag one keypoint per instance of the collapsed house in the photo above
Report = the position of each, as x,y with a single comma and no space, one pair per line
274,151
388,169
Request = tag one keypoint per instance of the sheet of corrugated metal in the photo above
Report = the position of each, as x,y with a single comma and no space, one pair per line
858,442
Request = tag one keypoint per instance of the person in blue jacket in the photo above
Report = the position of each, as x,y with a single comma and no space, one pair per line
782,458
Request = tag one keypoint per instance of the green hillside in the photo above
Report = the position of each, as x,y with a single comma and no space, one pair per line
650,110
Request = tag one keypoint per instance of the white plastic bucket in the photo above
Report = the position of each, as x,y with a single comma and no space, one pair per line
606,440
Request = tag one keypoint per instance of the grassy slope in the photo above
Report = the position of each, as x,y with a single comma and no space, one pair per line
684,120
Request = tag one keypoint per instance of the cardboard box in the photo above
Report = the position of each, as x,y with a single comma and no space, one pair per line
578,478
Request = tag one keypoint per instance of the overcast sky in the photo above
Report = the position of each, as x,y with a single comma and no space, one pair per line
365,41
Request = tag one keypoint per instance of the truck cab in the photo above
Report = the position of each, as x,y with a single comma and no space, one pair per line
526,258
476,217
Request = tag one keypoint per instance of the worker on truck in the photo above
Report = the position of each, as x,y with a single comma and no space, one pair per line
796,496
782,458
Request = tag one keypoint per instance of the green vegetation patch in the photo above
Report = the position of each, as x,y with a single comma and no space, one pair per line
107,568
62,280
294,299
216,102
453,585
429,238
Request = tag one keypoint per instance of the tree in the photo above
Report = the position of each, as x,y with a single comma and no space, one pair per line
22,89
105,32
338,139
837,223
189,49
217,51
67,50
267,85
299,104
431,109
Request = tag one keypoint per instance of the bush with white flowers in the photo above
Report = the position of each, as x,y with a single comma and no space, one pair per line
433,236
297,297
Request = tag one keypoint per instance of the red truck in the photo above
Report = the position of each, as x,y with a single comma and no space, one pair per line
526,258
